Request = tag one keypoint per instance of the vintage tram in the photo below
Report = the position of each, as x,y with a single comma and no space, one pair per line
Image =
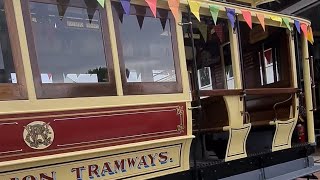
106,89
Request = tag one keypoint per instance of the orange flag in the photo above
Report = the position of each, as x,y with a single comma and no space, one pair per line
153,6
174,7
310,35
261,20
247,17
304,29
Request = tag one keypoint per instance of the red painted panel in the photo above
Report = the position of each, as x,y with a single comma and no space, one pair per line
87,129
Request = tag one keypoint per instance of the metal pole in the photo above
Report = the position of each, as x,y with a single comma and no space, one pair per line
242,71
196,94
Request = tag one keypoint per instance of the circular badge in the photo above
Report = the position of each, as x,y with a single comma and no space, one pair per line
38,135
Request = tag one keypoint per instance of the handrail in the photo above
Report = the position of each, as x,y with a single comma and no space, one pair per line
221,92
267,91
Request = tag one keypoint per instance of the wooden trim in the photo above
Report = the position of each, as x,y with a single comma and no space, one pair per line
221,92
142,88
12,91
268,91
65,90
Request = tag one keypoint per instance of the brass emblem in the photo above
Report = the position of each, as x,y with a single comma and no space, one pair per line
38,135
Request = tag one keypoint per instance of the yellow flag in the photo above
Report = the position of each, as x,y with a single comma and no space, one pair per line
276,18
310,35
194,8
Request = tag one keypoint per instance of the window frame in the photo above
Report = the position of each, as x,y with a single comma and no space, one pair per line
14,91
147,88
70,90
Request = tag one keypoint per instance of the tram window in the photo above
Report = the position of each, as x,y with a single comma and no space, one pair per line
212,52
72,53
12,84
147,50
266,56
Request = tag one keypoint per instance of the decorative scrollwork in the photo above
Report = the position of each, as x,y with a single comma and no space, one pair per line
180,128
180,110
38,135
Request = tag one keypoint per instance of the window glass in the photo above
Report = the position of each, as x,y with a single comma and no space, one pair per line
146,45
213,53
69,43
7,70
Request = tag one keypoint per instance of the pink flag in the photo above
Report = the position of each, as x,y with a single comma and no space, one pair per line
153,6
174,7
247,17
304,29
261,20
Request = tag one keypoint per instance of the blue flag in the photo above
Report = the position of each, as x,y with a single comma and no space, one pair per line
298,26
231,13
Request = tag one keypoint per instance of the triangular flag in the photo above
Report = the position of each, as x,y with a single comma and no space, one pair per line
62,8
214,9
297,24
286,22
261,20
163,18
142,12
231,15
304,29
126,6
174,7
310,35
276,18
247,17
203,28
101,2
153,6
194,8
91,9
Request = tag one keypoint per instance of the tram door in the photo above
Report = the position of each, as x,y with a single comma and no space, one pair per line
214,72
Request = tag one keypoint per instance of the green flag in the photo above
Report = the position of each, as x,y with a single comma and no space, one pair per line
214,12
286,22
101,2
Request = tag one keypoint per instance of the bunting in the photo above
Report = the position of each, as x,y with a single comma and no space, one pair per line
194,8
231,15
153,6
297,24
91,9
287,23
261,20
126,6
214,10
163,18
247,17
310,35
276,18
101,2
174,7
140,18
304,29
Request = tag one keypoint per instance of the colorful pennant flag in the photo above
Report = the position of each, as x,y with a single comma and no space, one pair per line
174,7
231,13
247,17
101,2
91,9
310,35
214,10
276,18
287,23
126,6
261,20
203,28
194,8
304,29
153,6
297,24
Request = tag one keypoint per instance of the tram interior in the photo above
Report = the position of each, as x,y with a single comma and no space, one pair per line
263,74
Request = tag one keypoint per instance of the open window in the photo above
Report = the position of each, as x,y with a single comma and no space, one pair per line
12,82
69,48
148,51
